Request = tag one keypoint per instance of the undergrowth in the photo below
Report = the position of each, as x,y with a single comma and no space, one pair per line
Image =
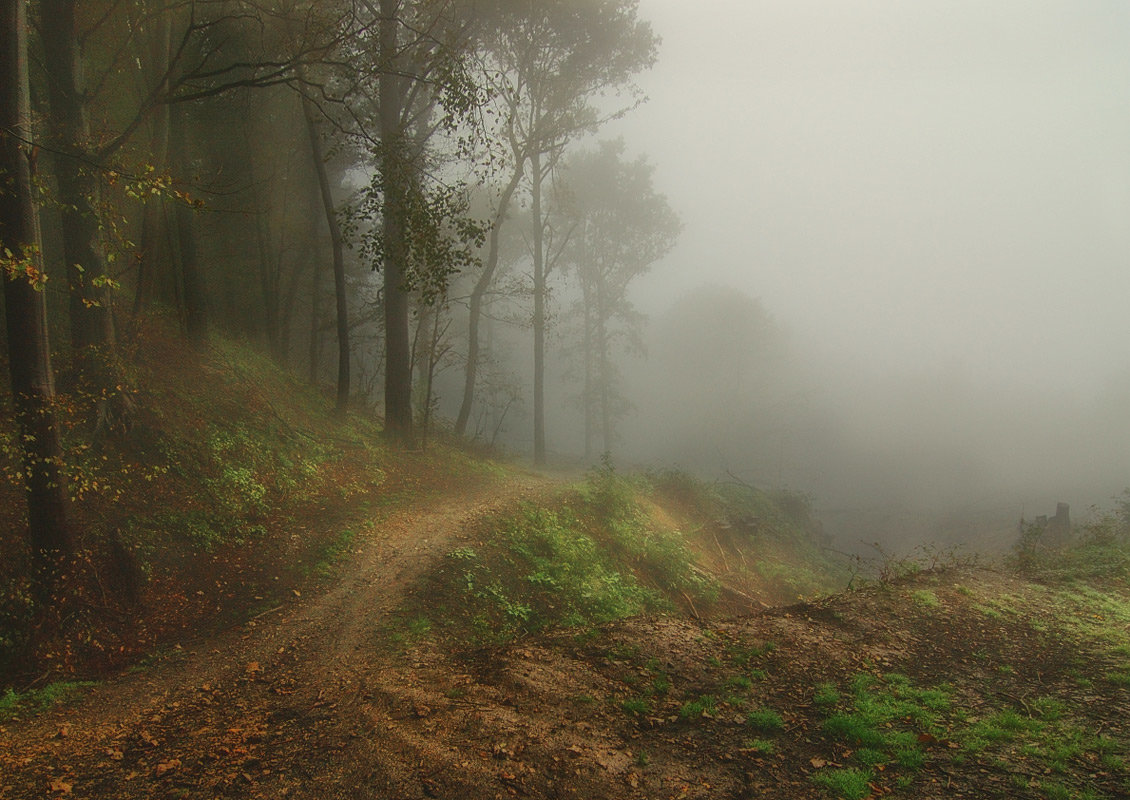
13,703
195,505
589,556
1100,551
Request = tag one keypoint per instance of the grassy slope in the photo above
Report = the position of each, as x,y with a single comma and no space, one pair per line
233,488
615,546
961,682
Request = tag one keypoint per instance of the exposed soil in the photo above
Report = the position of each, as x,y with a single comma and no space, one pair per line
317,700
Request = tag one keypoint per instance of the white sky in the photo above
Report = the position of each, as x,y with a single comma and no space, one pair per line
906,182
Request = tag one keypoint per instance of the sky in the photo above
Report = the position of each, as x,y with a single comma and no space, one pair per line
904,185
932,200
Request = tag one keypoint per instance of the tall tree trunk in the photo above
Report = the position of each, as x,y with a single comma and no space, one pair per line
587,345
425,356
475,304
315,324
539,311
268,262
604,365
290,295
29,355
268,280
394,169
430,377
153,252
91,320
337,242
194,296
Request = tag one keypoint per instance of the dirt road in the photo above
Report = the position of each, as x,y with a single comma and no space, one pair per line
285,705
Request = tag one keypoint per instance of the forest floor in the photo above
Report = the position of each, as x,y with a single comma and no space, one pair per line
966,682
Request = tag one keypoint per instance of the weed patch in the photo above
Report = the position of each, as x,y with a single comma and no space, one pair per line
884,720
539,567
588,557
765,720
848,783
701,706
13,704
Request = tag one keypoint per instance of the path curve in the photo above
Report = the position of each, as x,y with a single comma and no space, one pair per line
234,714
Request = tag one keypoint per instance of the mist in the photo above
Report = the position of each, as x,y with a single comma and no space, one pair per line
918,217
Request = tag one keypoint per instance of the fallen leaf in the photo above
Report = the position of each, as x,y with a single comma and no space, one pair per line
818,763
167,766
61,786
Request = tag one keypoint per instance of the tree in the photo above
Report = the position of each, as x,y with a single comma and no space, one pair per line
430,348
194,295
153,256
552,60
201,50
337,244
478,295
424,235
620,227
25,308
83,249
394,169
730,361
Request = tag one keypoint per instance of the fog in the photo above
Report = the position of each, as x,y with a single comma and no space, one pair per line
931,203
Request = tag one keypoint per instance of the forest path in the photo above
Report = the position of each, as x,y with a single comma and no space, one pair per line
272,701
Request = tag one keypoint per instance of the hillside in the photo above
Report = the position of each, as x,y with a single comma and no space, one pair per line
316,617
232,489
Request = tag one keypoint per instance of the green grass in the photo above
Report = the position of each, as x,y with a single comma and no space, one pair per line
1042,735
884,718
1053,790
826,695
870,757
743,654
611,501
14,704
636,706
589,556
847,783
925,599
540,568
333,552
1120,678
692,709
739,682
765,720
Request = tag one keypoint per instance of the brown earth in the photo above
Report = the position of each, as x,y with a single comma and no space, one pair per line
317,700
